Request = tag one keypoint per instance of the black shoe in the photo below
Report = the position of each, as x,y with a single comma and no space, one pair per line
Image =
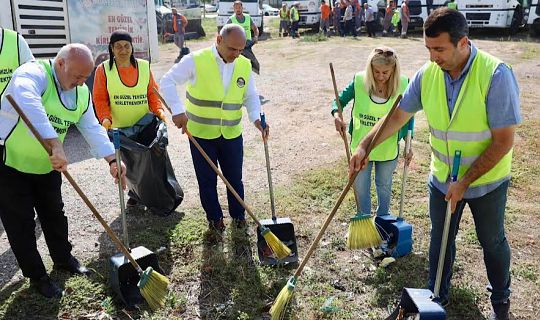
500,311
216,225
240,224
74,266
133,206
46,287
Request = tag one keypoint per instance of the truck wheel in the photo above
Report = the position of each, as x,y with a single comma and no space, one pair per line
200,31
261,28
517,20
316,27
534,30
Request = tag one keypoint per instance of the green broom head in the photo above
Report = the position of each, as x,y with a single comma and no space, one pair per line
363,233
282,300
153,286
280,250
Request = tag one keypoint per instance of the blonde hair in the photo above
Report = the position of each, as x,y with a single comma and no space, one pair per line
379,57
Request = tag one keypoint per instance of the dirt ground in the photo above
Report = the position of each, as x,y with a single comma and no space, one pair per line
296,89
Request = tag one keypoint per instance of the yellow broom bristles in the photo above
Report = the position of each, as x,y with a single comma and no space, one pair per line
363,233
282,300
279,249
153,286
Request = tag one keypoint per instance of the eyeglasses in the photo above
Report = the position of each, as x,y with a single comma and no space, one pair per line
386,53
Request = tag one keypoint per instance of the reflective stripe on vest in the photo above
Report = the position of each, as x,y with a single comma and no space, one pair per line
212,112
246,25
365,115
467,129
128,104
23,152
9,57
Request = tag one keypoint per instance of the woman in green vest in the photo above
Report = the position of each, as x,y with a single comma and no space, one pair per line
123,88
374,91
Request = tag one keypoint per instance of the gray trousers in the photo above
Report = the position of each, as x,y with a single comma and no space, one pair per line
178,39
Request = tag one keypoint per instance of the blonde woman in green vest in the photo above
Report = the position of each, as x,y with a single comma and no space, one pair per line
471,102
53,96
218,83
374,91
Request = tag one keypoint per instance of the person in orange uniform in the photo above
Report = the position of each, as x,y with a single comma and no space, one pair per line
179,23
325,17
123,88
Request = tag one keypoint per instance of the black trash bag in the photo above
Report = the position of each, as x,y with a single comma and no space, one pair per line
150,175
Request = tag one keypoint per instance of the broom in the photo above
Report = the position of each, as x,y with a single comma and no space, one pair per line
279,249
284,297
362,230
153,286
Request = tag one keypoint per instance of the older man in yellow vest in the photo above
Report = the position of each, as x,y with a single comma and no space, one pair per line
219,82
53,96
471,101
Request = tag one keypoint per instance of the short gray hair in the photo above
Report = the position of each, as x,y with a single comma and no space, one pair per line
230,28
72,50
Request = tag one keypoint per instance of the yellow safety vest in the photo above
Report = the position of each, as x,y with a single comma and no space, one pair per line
282,14
452,5
295,16
128,104
366,113
23,152
212,112
9,57
467,129
246,25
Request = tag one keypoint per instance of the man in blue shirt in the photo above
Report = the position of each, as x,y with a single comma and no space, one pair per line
445,37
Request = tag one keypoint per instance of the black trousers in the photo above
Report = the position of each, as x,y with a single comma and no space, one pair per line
22,195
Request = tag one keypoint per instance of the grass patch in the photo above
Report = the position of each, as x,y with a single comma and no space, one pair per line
526,271
530,52
317,37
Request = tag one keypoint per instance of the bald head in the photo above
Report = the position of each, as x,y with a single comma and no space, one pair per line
232,30
73,65
231,41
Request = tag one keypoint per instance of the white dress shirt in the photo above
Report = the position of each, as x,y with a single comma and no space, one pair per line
184,71
27,85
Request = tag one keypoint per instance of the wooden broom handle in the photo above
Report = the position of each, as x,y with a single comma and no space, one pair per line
214,167
344,193
108,229
340,113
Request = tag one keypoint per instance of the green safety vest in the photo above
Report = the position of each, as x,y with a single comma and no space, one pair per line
283,14
395,18
212,112
366,114
9,57
246,24
452,5
295,16
467,129
23,152
128,104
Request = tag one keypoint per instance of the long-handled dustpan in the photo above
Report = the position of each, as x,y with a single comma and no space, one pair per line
283,228
396,232
419,303
122,274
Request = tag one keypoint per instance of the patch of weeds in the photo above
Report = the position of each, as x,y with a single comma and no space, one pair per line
189,232
317,37
463,303
526,271
530,52
470,237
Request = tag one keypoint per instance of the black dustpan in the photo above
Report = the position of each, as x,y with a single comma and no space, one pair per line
283,228
123,276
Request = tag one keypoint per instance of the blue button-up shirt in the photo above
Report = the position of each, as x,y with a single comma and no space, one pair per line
502,106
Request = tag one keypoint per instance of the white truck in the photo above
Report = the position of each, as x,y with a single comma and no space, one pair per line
310,13
189,8
251,7
502,14
534,18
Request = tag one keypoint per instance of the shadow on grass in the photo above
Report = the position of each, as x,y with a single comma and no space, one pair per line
231,287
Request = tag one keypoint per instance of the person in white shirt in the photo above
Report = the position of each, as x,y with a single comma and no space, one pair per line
53,96
219,81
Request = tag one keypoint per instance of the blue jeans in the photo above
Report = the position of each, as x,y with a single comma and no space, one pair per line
488,215
228,154
383,182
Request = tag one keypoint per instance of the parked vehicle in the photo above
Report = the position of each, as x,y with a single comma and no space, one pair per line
503,14
251,7
310,12
534,18
208,7
268,10
189,8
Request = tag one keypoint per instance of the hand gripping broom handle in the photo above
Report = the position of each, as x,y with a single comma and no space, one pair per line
446,229
216,170
108,229
405,166
268,171
344,193
341,132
